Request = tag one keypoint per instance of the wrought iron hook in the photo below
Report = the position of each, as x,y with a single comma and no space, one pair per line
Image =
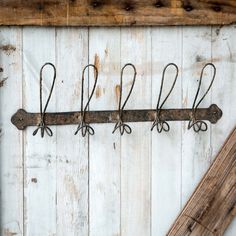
120,124
42,125
200,125
159,123
83,126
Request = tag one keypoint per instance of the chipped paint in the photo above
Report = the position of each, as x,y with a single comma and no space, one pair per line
71,187
2,82
117,92
8,49
97,61
98,92
106,52
34,180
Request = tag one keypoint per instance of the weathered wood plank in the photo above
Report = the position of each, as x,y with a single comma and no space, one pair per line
108,12
72,157
104,147
213,204
136,147
196,148
40,154
11,142
166,161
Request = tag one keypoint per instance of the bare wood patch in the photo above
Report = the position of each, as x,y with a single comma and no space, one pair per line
7,232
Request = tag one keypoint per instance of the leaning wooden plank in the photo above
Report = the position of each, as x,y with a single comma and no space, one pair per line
213,204
107,12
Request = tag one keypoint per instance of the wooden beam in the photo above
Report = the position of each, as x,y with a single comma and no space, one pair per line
116,12
213,204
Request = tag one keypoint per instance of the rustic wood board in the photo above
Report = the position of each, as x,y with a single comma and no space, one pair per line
68,185
115,13
213,205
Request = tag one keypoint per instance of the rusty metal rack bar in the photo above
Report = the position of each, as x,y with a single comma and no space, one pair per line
21,119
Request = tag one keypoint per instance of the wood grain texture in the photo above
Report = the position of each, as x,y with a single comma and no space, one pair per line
108,12
104,152
166,198
196,149
59,177
213,204
11,142
135,149
39,154
224,57
72,157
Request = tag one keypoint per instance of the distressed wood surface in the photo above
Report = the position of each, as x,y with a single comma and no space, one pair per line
165,168
40,160
104,153
135,150
223,54
113,13
213,204
196,149
11,142
72,157
105,184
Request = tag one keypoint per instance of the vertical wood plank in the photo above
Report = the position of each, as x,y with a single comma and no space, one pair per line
11,171
196,148
223,94
166,147
104,147
72,155
39,154
136,148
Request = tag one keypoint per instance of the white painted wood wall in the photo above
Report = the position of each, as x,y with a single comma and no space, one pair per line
106,185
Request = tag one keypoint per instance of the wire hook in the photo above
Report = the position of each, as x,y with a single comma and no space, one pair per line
159,123
200,125
83,126
42,125
120,124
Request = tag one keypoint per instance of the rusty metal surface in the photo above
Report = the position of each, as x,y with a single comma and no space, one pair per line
21,119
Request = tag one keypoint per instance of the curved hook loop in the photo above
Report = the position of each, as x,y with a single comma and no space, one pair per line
120,124
159,123
83,126
199,125
42,125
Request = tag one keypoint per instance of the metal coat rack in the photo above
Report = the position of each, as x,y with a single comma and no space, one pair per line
159,117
